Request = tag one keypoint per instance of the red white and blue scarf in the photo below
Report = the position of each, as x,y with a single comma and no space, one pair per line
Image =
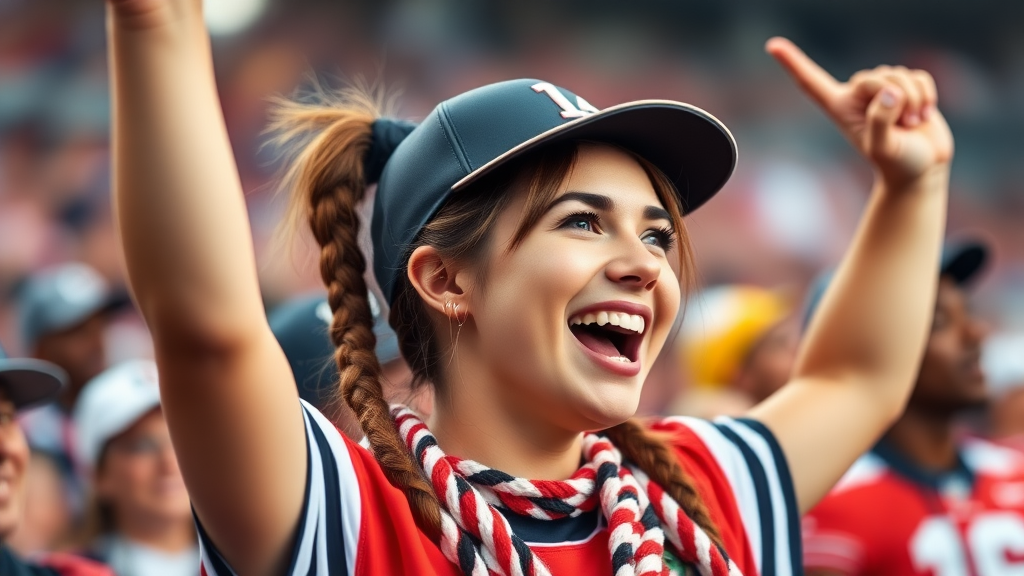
640,514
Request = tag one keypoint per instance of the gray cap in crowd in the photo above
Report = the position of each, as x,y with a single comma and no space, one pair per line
27,381
300,326
61,297
961,262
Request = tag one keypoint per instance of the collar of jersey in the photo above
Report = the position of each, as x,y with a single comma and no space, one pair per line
568,530
907,468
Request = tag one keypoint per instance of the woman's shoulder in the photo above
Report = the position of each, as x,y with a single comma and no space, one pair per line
740,470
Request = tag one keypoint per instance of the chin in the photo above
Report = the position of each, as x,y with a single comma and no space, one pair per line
611,405
8,523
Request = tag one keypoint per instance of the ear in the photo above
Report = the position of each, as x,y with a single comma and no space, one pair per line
442,285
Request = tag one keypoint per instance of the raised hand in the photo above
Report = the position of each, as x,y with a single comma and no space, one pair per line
889,113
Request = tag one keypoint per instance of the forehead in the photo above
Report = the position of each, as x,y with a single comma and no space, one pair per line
612,172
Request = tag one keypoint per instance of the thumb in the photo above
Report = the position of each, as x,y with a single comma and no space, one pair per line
882,114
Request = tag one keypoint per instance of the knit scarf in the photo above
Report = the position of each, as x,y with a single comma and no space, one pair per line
640,514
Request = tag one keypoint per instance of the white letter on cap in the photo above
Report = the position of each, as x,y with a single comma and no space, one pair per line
568,110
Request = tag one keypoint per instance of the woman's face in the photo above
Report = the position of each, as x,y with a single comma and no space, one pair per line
570,322
139,475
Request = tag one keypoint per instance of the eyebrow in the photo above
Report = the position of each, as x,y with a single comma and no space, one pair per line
606,204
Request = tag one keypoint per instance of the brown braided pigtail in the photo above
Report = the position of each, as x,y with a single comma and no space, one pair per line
327,183
653,455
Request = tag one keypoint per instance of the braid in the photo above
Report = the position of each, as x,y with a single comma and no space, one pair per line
328,183
652,455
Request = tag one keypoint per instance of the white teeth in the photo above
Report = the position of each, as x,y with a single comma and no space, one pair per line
622,359
632,322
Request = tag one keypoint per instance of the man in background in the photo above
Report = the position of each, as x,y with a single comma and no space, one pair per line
926,501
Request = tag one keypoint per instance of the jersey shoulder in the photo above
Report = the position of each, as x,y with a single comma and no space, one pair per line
744,479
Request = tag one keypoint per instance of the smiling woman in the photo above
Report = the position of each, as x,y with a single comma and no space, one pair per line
532,251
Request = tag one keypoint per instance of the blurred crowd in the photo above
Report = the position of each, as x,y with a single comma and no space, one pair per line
102,480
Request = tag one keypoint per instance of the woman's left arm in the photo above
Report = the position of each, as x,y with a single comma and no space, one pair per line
860,356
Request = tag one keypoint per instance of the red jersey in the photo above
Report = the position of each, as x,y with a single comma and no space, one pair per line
356,523
888,516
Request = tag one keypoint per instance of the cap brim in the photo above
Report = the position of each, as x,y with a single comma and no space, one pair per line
27,382
693,148
962,262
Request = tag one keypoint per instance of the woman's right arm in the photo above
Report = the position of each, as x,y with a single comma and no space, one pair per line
228,393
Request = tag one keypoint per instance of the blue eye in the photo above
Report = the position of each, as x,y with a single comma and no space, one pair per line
585,221
663,238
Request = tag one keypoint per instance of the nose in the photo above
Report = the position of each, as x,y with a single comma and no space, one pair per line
634,265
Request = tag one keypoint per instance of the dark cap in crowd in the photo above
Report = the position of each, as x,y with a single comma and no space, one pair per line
961,262
469,135
300,326
61,297
27,381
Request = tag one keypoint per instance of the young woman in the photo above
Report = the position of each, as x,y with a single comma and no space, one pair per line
532,253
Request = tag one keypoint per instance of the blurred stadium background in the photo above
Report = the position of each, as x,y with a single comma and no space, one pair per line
788,212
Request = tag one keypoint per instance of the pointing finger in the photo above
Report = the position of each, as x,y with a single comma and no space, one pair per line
813,79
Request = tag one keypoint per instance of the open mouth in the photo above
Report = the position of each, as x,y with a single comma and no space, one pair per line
615,335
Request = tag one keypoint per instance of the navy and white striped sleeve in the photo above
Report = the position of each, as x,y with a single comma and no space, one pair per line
756,469
328,532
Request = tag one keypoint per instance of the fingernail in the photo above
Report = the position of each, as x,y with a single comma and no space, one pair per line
888,97
927,112
913,119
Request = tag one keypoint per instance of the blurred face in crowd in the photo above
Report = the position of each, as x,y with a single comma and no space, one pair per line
79,350
14,457
138,475
770,363
951,378
569,323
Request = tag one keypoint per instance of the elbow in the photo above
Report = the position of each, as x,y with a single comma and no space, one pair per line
199,332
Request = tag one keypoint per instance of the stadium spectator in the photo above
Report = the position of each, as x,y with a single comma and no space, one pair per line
23,383
139,518
63,312
738,344
925,501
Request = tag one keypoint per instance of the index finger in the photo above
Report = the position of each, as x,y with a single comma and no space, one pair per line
813,79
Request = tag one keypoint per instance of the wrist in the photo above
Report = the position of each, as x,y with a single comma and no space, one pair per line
934,178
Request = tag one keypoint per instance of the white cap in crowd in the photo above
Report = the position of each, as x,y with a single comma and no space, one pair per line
111,402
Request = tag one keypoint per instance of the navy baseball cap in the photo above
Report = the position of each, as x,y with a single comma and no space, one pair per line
300,326
960,262
61,297
470,135
27,381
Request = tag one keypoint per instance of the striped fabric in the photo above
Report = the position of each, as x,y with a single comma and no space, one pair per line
354,523
759,476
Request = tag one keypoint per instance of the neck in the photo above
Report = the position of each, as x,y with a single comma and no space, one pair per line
927,438
475,422
161,534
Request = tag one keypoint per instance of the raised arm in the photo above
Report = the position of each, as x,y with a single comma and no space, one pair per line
227,389
859,359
